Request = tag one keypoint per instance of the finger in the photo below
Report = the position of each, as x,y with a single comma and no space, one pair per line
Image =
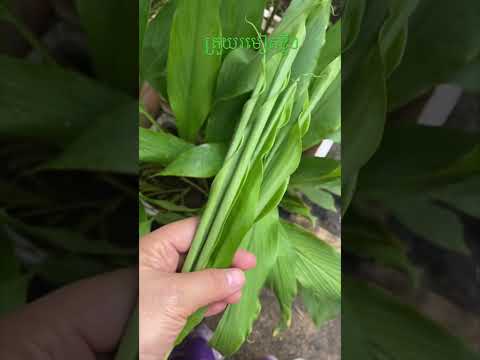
161,248
244,260
234,298
216,308
199,289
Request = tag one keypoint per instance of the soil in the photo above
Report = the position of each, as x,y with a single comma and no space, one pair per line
302,341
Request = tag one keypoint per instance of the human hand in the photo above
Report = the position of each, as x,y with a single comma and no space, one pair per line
168,298
82,321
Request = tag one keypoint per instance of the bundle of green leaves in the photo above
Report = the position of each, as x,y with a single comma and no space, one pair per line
243,117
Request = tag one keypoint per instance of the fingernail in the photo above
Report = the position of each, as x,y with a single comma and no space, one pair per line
235,278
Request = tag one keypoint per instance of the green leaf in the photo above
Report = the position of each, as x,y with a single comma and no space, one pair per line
334,186
433,223
238,74
326,116
296,206
115,60
314,170
13,285
224,118
108,145
237,321
317,270
168,205
383,327
203,161
372,241
283,280
159,147
441,157
377,51
155,48
143,14
321,198
64,239
192,73
320,309
144,223
352,22
49,104
462,196
237,78
235,14
436,31
13,293
469,77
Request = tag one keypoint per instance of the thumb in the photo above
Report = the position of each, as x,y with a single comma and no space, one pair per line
202,288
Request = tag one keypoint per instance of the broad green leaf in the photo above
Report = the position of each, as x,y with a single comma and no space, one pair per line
202,161
296,206
143,14
238,74
224,118
435,32
159,147
469,77
237,321
64,239
307,60
372,241
332,48
13,284
283,280
108,145
9,265
13,293
317,267
321,198
46,103
155,48
326,116
334,186
382,327
363,114
115,59
236,79
235,16
192,73
432,222
352,22
463,196
320,309
441,156
314,170
377,51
